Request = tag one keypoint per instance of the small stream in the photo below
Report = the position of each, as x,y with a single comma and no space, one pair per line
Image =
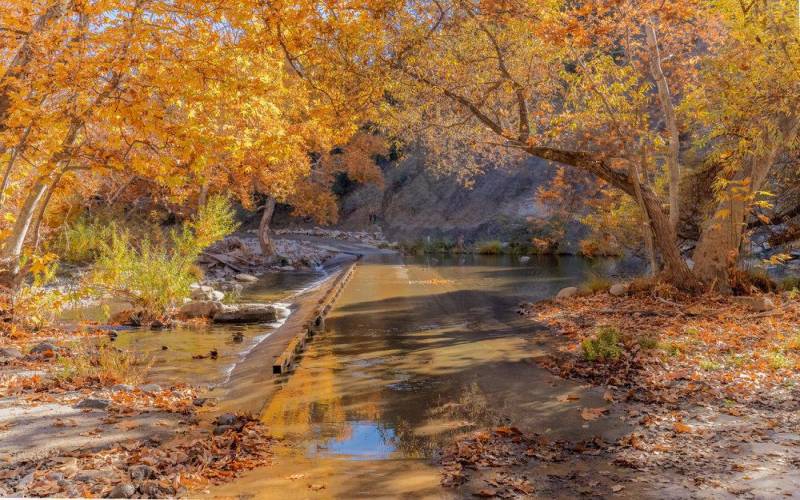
415,351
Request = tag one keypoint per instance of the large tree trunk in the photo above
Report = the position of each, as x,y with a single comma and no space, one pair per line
665,97
717,252
264,240
11,249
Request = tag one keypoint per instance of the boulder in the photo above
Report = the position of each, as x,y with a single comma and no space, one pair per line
93,404
245,278
42,347
246,313
756,303
122,388
524,259
199,309
618,289
10,353
217,296
567,293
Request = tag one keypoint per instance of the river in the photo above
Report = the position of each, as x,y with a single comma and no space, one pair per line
415,351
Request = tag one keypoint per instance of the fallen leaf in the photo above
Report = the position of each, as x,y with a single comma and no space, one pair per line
592,413
295,477
682,428
316,487
608,396
568,397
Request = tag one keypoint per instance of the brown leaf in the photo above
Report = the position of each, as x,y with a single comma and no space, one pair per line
682,428
592,413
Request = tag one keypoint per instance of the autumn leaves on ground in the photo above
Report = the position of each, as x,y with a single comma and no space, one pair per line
147,147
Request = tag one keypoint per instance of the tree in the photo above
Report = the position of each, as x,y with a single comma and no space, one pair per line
185,97
582,84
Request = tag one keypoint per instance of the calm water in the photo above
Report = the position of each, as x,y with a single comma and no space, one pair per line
416,350
170,352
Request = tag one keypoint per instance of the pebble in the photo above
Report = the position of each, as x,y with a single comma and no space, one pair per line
141,472
124,490
122,388
150,388
94,403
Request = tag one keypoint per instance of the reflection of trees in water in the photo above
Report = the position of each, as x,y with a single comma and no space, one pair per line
320,393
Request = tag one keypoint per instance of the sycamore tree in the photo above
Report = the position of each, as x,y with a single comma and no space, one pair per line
182,97
642,94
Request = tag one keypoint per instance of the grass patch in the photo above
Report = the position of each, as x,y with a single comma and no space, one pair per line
647,342
595,283
605,346
671,348
103,363
709,365
778,360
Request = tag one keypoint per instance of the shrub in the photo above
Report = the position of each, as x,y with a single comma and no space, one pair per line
605,346
778,360
82,241
493,247
155,276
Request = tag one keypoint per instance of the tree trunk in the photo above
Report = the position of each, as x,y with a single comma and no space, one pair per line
264,240
668,109
647,228
717,252
11,249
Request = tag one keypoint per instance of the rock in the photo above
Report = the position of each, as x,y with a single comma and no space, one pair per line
87,476
221,429
10,353
54,476
122,388
43,347
202,293
286,268
245,278
199,309
246,313
141,472
25,482
123,490
154,489
227,419
618,289
756,303
567,293
94,404
150,388
524,259
217,296
230,287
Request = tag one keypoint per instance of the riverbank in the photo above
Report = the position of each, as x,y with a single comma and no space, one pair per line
708,385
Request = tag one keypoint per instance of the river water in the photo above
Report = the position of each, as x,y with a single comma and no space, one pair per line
415,351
